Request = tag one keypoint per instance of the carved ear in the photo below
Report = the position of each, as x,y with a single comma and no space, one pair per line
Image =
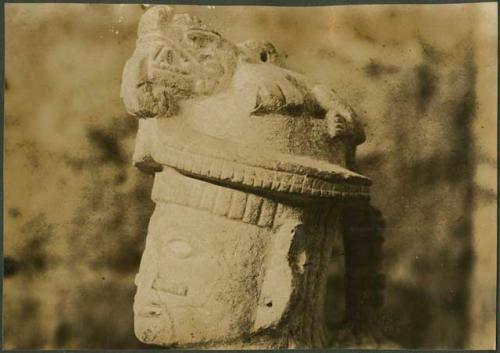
277,287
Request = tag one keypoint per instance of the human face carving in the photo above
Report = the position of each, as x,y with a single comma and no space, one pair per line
199,278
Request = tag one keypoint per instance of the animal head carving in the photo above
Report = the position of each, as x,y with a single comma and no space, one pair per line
260,51
176,57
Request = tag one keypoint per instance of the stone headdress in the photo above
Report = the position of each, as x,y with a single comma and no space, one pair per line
210,111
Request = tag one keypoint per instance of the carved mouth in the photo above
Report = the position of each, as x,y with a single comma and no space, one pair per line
147,305
153,310
149,311
171,69
171,288
173,60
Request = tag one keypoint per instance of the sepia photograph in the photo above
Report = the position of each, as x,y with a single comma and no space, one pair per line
250,177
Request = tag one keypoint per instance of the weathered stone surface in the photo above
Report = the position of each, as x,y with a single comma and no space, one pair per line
251,165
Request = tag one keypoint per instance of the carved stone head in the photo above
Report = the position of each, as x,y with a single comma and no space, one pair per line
250,164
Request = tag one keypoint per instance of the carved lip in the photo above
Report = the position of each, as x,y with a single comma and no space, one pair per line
171,288
205,157
170,59
179,136
149,311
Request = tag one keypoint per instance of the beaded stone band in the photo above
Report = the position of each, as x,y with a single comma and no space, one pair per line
172,187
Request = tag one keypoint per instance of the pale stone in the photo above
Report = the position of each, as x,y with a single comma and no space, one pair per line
251,165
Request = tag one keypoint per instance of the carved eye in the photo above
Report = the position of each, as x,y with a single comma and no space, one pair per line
263,56
165,56
201,39
340,118
179,248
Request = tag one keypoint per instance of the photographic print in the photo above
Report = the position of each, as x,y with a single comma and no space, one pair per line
250,177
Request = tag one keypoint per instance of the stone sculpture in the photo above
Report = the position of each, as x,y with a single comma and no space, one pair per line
253,180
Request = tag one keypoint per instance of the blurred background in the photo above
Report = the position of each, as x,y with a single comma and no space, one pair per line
423,78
